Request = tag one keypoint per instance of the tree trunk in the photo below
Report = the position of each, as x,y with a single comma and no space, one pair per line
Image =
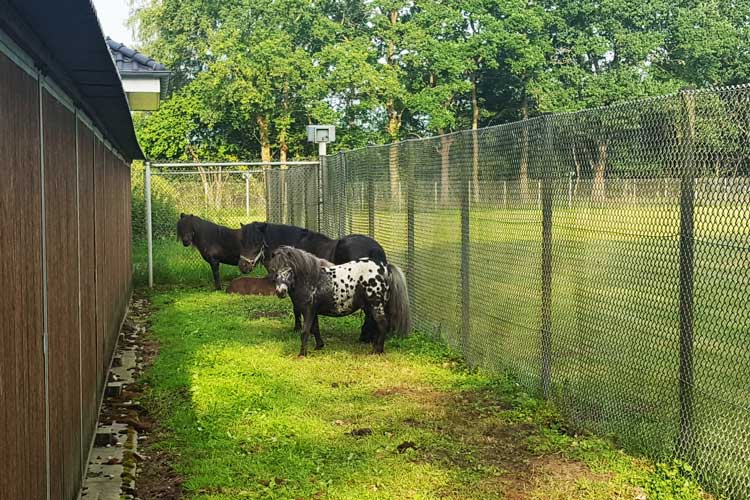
578,173
205,181
446,141
475,137
265,139
599,167
218,186
523,175
283,146
393,126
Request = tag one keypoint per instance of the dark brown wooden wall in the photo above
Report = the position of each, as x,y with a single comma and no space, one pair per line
90,374
22,402
60,187
47,423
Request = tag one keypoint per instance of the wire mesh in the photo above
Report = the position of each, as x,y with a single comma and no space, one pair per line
294,196
601,257
225,196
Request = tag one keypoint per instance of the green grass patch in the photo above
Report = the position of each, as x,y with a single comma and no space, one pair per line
245,418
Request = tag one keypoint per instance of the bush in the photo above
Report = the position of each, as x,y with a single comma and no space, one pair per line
163,205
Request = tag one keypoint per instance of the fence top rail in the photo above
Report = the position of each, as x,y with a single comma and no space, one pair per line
198,172
236,164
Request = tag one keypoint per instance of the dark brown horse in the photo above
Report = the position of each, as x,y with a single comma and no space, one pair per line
216,244
251,286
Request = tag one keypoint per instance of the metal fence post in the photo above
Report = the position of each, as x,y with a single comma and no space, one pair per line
247,195
370,203
342,196
546,199
323,163
465,257
687,209
149,230
267,193
410,192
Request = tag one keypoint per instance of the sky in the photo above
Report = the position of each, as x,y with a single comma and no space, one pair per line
112,16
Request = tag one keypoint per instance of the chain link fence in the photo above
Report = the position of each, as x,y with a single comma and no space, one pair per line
228,194
601,257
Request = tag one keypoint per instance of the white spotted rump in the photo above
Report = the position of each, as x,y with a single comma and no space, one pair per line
363,274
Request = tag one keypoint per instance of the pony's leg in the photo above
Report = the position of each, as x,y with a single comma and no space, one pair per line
297,320
309,317
316,331
215,270
368,328
378,315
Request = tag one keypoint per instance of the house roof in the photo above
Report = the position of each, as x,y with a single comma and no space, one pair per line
130,62
66,42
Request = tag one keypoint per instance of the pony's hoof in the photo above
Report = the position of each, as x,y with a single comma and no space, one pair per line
378,352
319,347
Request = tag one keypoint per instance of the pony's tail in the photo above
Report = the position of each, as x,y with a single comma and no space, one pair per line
397,309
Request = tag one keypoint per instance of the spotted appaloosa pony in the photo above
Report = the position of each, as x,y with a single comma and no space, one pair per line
260,239
317,288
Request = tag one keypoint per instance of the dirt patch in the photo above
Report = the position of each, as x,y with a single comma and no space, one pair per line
419,393
475,418
268,314
156,479
549,476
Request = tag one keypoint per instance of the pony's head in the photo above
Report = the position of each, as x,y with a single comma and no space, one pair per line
253,245
283,279
186,229
302,265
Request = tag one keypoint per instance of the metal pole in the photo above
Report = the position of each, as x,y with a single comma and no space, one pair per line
410,242
545,187
322,150
149,230
465,259
323,160
687,220
236,164
370,204
247,195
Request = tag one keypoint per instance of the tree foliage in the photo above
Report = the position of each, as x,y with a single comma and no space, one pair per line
250,74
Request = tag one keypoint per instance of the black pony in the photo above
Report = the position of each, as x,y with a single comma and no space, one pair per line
316,287
216,244
260,239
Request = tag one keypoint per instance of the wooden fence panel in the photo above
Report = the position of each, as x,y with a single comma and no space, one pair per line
22,411
60,187
87,281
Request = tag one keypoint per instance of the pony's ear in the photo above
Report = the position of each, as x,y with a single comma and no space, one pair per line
182,215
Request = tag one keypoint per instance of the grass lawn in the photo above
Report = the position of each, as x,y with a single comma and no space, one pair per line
243,417
615,313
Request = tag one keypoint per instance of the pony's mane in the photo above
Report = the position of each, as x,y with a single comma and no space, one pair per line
304,264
